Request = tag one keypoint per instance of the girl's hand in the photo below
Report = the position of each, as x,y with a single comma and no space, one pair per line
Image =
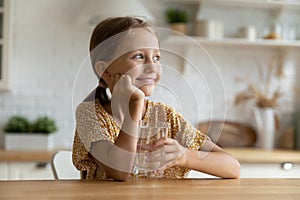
168,152
124,95
123,87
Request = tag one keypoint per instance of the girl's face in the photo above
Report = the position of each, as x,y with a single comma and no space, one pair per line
141,62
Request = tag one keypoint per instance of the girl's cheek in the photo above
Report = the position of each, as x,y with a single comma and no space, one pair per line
135,71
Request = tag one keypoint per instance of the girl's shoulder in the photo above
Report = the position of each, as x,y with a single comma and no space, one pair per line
90,108
163,108
155,104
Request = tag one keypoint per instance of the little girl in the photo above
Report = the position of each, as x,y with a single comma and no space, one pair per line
126,58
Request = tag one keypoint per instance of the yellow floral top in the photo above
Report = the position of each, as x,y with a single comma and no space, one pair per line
93,124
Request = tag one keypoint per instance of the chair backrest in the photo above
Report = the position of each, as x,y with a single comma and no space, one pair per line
62,166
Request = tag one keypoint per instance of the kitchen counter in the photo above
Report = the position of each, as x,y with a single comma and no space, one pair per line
255,155
231,189
244,155
25,156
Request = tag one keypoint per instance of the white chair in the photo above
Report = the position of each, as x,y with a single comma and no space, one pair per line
62,166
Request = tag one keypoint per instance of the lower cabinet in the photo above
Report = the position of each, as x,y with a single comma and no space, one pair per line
42,171
261,170
3,171
270,170
25,171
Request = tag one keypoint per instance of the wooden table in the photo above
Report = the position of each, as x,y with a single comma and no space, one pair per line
187,189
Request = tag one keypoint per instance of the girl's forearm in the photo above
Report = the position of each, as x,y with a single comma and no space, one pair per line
217,163
128,136
117,159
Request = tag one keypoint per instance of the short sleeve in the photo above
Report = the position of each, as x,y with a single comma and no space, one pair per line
184,132
89,128
88,125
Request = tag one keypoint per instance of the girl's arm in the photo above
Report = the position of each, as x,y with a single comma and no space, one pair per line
215,162
117,159
211,159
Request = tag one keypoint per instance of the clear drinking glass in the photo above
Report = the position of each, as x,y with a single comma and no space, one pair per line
149,133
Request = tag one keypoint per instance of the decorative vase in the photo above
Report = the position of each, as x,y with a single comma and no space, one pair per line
265,121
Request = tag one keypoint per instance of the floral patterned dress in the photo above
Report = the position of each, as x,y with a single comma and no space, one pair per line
93,124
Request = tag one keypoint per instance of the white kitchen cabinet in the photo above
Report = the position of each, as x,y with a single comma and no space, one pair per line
270,170
25,165
25,171
3,171
259,163
261,170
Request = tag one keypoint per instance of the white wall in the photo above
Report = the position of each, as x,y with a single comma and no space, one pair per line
48,46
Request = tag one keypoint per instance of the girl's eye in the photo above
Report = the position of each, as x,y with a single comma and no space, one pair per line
156,58
138,56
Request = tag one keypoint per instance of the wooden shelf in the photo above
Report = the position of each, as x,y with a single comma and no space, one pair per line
272,4
188,40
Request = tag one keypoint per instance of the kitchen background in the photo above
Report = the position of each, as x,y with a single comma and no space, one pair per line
48,42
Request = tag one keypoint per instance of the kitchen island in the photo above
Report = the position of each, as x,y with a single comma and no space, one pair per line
157,189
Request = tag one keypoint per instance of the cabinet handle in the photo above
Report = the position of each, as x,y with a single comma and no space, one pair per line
287,166
43,165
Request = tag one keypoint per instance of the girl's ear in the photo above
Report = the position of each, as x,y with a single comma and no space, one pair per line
100,68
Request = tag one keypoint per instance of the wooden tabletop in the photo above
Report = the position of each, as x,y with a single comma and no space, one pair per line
187,189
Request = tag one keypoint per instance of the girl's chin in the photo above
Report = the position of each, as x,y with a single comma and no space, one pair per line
147,89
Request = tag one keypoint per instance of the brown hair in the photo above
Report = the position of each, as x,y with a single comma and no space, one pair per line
102,32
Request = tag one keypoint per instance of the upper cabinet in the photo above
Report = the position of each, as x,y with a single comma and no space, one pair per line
4,42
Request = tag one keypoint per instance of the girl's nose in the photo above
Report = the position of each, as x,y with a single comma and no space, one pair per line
149,60
150,68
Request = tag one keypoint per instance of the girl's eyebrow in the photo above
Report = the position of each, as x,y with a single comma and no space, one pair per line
155,50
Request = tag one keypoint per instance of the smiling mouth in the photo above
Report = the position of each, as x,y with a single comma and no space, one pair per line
143,80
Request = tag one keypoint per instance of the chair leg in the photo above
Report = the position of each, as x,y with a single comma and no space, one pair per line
83,174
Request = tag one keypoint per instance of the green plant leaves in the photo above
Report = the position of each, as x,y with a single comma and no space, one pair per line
17,124
20,124
176,15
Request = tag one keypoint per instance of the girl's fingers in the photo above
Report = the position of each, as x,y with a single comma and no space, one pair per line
162,158
115,78
162,141
168,144
127,80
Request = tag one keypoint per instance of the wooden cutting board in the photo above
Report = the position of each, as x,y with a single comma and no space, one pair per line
228,133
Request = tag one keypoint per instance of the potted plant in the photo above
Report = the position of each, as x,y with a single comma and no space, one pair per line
21,134
177,19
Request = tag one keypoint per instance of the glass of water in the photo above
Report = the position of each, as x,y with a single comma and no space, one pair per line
148,134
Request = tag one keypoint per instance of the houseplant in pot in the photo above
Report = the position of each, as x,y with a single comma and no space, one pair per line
21,134
177,19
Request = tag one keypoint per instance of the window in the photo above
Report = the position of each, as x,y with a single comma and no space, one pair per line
4,8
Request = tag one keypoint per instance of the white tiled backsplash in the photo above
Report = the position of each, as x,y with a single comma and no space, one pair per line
48,48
